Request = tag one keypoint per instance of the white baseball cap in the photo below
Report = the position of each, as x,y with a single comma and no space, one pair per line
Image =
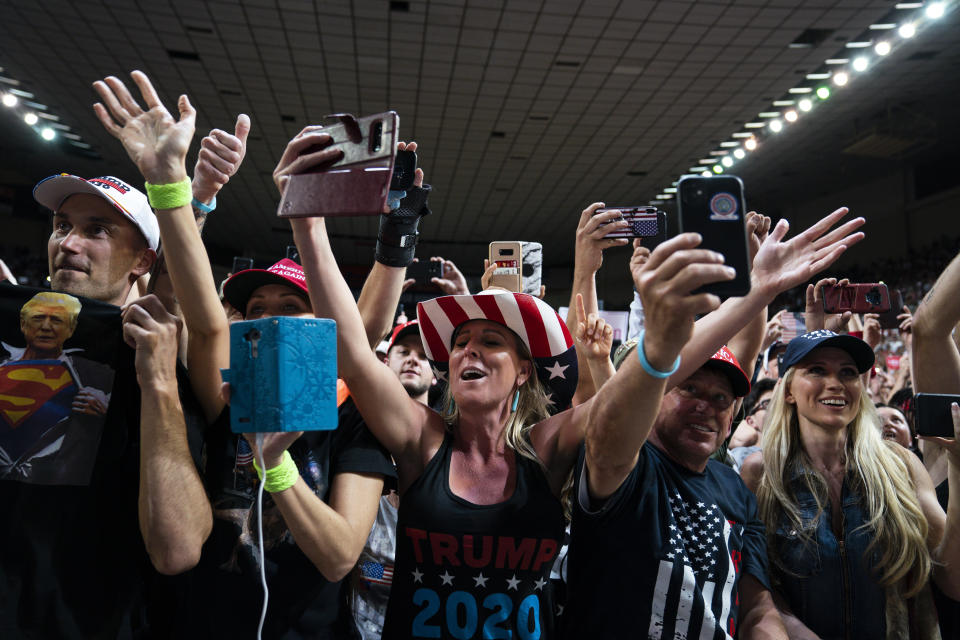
131,202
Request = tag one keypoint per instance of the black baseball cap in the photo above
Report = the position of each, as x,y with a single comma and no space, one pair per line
799,347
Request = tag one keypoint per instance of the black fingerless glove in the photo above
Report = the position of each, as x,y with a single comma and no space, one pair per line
397,239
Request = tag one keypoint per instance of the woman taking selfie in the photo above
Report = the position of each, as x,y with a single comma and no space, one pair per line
855,531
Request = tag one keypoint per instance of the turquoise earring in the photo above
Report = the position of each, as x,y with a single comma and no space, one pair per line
516,401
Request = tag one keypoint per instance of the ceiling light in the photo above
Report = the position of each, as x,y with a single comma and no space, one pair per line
776,126
861,64
670,190
729,143
823,92
863,44
742,134
754,125
790,116
769,114
907,30
750,144
48,134
805,105
739,154
909,5
9,100
840,79
801,90
705,174
30,118
719,153
696,170
883,26
727,161
935,10
817,76
783,103
717,168
882,48
707,160
837,61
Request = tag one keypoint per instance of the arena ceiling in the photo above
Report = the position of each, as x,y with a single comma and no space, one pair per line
525,110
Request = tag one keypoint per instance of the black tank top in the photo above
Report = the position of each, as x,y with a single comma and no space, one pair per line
474,571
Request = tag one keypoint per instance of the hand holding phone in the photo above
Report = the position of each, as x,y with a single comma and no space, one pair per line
240,263
356,183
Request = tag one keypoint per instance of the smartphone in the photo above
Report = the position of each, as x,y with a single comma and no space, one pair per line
358,182
715,208
932,416
424,271
888,319
274,364
241,263
645,222
871,297
508,258
293,253
404,168
531,267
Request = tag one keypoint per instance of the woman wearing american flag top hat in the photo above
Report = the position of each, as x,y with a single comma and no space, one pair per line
480,516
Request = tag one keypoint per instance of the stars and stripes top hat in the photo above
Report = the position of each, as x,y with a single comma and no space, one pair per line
532,319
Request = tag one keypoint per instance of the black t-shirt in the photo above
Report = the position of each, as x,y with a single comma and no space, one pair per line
227,592
467,571
663,556
72,559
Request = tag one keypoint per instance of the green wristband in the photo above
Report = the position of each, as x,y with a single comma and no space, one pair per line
169,196
281,477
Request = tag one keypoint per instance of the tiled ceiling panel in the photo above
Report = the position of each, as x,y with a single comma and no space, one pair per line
525,110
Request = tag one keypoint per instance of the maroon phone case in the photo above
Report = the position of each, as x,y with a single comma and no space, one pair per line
357,184
859,298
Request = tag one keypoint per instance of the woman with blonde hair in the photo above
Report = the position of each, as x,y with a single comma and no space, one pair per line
854,528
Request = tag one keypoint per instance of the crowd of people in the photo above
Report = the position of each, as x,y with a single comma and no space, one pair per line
493,472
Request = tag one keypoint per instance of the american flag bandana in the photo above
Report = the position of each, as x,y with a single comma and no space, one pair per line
377,573
532,319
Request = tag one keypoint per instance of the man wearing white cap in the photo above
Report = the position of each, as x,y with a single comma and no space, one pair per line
105,235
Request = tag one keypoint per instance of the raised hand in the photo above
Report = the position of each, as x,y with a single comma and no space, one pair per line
452,282
758,228
814,317
591,240
593,334
780,265
665,282
871,329
307,150
155,142
220,157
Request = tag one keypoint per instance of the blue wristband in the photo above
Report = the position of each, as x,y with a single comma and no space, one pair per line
642,357
206,208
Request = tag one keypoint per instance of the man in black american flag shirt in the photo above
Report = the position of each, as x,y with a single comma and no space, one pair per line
666,543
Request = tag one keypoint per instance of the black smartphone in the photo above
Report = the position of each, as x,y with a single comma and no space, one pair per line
645,222
931,414
888,319
293,253
715,208
404,168
424,271
241,263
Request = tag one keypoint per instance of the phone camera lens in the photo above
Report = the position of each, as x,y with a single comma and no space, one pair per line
873,297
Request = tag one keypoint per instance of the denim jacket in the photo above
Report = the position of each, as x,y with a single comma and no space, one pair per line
829,584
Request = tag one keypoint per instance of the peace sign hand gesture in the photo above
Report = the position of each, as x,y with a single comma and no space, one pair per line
155,142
